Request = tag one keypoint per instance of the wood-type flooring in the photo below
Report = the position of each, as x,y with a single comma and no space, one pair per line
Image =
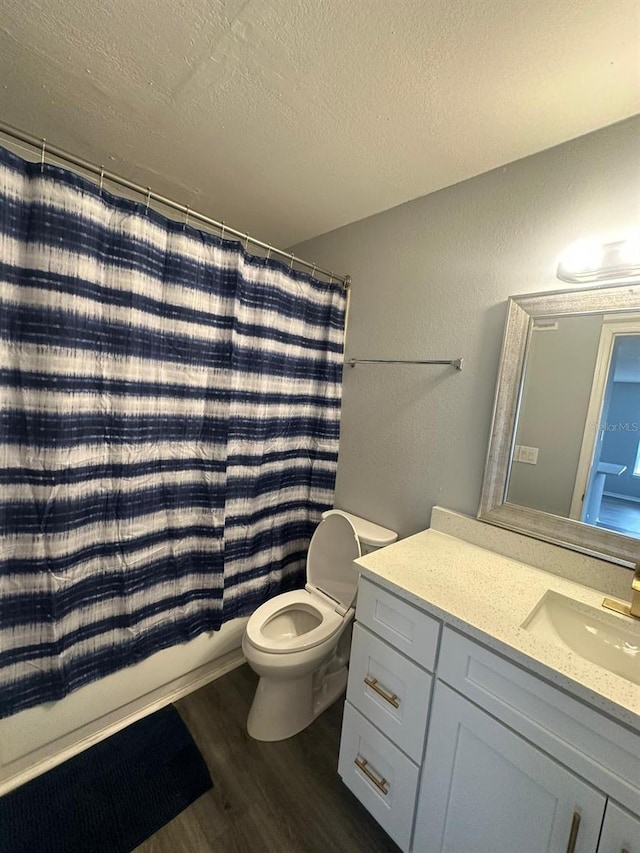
283,797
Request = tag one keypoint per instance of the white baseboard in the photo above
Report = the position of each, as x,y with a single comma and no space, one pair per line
619,496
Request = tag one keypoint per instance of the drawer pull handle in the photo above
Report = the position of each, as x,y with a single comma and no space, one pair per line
573,835
392,698
381,784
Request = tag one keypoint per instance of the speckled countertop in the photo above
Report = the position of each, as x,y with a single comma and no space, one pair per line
488,596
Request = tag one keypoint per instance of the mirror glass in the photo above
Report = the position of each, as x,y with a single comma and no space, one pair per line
564,456
577,446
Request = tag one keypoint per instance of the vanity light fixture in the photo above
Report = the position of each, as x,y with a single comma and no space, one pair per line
591,261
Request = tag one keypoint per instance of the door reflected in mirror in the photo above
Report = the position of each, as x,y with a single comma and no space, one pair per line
576,452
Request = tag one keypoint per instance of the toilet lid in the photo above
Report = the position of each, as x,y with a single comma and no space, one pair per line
334,546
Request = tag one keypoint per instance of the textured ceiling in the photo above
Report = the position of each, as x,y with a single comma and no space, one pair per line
289,118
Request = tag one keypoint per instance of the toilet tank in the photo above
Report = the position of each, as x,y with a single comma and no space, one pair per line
372,536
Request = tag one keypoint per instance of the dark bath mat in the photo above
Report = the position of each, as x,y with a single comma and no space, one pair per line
111,797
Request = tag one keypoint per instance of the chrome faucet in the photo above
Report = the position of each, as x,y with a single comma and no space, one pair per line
632,609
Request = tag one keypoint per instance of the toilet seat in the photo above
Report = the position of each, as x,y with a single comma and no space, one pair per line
329,622
330,591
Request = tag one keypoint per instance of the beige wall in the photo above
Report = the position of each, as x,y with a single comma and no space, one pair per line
430,280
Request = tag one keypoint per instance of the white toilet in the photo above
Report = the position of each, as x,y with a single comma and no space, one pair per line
299,642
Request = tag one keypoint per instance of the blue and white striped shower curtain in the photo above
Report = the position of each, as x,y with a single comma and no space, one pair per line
169,430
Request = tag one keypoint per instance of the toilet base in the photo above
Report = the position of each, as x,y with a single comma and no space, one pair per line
281,709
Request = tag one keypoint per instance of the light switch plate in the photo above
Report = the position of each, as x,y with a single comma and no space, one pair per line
522,453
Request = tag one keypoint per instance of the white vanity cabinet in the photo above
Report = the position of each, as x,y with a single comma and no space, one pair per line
455,748
388,695
487,790
514,765
620,832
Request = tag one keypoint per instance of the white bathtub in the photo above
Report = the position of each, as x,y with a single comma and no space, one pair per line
37,739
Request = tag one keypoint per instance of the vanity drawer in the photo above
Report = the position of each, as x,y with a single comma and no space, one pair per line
382,778
390,690
410,630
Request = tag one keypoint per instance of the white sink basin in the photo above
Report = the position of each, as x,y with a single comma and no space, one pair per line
612,642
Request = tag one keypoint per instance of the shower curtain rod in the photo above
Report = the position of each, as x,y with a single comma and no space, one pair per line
44,148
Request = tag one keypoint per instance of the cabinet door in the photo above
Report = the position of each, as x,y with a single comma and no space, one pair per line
485,789
621,831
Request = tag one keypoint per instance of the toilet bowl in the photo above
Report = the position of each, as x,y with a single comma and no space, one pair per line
299,642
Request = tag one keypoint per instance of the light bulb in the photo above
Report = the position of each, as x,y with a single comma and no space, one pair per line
582,256
630,249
